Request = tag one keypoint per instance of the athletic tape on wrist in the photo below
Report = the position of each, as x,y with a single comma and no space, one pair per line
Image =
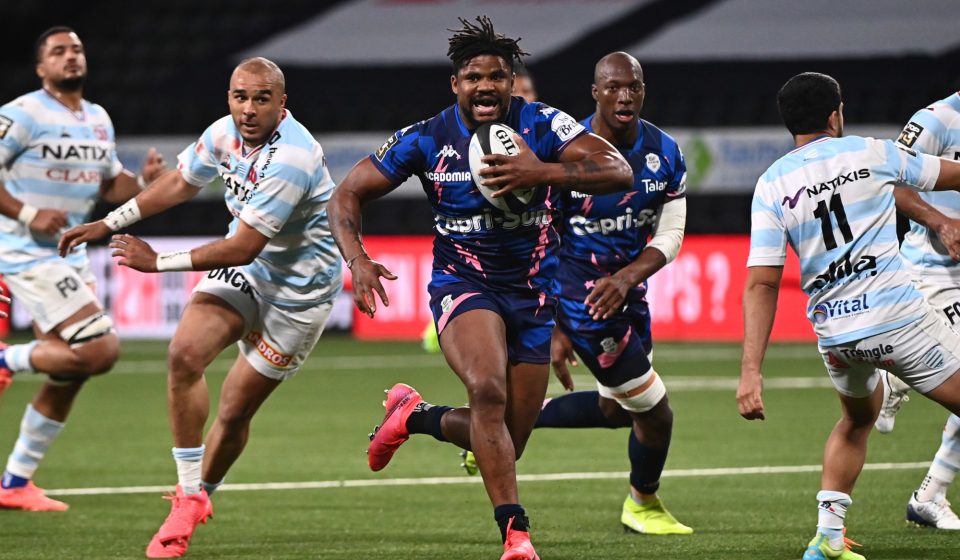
128,213
179,260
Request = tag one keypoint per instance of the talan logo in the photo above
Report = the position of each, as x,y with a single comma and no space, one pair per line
909,134
653,163
837,308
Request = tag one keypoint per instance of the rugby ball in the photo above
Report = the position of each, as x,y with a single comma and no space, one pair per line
496,138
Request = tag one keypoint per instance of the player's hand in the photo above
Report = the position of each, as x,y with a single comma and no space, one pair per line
134,253
949,234
561,352
82,234
507,173
607,296
49,221
750,396
153,166
6,301
366,282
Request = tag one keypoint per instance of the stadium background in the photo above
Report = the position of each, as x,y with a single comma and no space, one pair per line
356,71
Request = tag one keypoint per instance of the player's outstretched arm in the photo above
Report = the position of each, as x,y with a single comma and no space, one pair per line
237,250
167,191
759,309
363,183
912,206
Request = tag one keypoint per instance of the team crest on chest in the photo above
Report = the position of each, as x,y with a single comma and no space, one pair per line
653,163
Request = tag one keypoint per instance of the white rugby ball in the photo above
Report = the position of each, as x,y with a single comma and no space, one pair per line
496,138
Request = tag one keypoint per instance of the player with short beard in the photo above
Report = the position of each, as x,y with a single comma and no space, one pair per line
59,157
492,291
863,322
270,290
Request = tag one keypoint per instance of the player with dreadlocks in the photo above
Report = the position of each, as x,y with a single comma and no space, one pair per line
492,292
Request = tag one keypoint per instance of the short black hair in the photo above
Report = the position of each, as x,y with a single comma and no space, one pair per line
806,102
42,39
473,40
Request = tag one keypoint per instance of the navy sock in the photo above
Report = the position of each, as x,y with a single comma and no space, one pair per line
13,481
646,465
504,513
425,419
580,409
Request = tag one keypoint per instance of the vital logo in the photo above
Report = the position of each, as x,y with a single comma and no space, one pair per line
837,308
909,134
842,271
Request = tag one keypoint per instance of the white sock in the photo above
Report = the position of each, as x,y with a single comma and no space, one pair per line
831,513
37,432
189,464
945,465
17,357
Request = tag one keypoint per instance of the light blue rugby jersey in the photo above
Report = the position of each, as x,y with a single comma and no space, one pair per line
832,201
934,130
51,157
280,189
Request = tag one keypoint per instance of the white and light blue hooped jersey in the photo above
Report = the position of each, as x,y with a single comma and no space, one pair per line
934,130
832,201
51,157
280,189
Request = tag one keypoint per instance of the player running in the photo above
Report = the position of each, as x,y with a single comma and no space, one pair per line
493,291
831,199
270,289
58,155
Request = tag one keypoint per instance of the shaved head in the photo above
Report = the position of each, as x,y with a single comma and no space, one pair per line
264,68
615,61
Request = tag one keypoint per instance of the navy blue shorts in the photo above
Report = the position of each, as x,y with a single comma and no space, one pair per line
529,317
615,350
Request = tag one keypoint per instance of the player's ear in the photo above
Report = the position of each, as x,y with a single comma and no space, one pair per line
453,84
283,100
593,91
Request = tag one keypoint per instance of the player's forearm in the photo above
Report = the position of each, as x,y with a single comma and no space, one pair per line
759,310
598,173
222,254
646,265
345,220
121,188
10,205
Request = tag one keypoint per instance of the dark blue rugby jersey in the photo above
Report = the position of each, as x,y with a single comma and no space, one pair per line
604,233
475,240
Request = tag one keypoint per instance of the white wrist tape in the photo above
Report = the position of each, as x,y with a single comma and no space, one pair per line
141,182
27,214
179,260
668,233
128,213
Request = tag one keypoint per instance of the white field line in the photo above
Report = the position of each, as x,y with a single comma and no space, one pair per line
445,480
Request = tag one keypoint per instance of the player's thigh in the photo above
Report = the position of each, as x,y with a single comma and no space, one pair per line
279,340
474,345
54,294
208,325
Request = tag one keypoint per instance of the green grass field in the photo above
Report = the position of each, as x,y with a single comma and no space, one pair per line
313,430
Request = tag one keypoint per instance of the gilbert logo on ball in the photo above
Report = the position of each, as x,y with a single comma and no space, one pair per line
496,138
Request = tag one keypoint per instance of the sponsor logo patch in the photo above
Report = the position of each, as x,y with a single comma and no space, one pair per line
909,134
385,147
609,345
837,308
653,163
5,124
933,359
446,303
842,271
565,126
268,352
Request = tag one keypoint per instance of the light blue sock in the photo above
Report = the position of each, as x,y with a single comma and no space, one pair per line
210,487
37,432
16,358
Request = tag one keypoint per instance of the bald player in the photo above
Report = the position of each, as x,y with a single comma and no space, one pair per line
270,288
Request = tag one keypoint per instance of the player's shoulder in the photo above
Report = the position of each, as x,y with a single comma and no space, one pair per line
29,103
657,137
293,132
